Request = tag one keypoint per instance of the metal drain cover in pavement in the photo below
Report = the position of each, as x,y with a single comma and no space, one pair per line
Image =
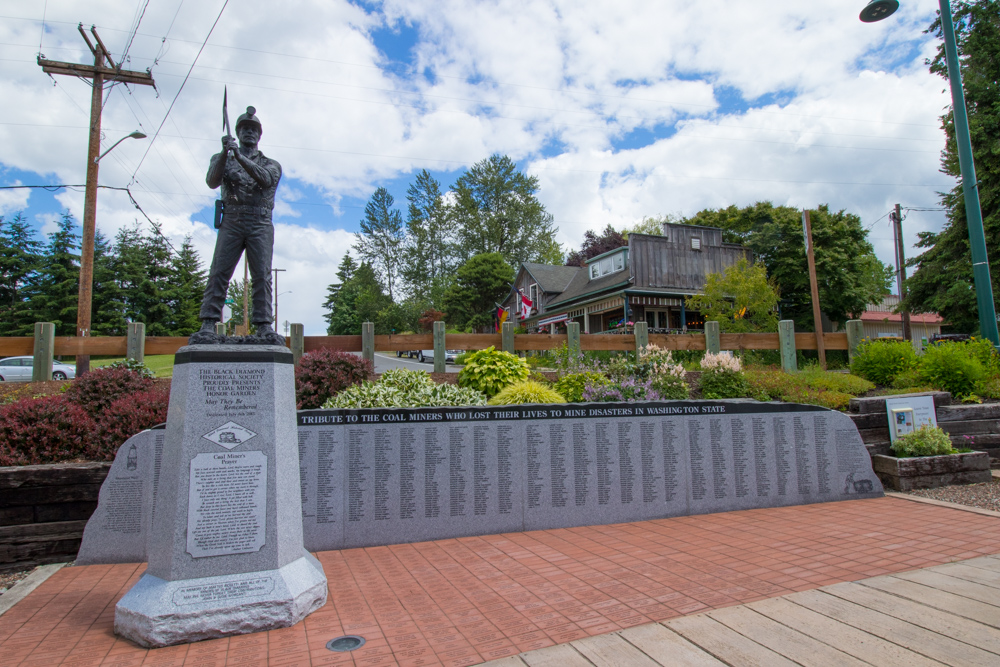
345,643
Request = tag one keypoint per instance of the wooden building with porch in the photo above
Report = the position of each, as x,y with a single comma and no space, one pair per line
647,280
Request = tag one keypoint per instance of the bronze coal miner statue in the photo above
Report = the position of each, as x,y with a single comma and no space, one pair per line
243,218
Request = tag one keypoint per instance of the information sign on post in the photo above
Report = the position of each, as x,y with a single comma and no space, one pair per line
908,414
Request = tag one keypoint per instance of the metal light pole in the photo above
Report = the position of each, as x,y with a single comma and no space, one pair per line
880,9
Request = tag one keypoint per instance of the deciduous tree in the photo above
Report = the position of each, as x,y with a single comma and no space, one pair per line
496,210
741,299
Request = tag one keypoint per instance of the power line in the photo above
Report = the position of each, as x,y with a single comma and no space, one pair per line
514,85
179,90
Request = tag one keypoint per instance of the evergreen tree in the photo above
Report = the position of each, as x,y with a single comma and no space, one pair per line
359,299
184,292
130,270
943,281
56,292
429,250
155,289
481,283
380,241
344,273
107,305
234,299
20,257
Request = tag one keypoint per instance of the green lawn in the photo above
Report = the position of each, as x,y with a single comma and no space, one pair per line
162,365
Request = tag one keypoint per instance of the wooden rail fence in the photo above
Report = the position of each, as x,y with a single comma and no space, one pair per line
44,346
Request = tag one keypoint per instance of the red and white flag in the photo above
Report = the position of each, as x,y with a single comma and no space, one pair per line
525,305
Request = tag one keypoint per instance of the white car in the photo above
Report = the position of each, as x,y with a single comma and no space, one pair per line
18,369
428,355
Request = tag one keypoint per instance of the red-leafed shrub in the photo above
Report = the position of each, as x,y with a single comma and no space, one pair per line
323,373
98,389
127,416
45,430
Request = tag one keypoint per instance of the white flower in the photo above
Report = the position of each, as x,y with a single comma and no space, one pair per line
724,361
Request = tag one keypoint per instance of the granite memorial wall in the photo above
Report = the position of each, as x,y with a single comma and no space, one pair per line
373,477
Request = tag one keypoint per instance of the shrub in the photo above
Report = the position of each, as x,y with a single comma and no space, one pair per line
527,392
816,378
670,387
571,386
951,367
723,383
323,373
802,388
880,361
406,380
989,387
462,358
370,394
667,375
623,391
98,389
982,349
132,365
722,377
126,417
928,440
44,430
489,371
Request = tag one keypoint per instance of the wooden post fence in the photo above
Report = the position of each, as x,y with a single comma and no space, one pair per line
44,346
786,342
136,344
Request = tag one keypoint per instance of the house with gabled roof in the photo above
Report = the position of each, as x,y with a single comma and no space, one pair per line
647,280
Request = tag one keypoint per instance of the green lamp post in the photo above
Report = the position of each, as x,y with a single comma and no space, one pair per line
876,10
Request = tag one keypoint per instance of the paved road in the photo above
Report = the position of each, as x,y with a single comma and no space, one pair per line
386,360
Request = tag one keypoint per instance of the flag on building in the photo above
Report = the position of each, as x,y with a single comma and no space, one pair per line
526,305
500,316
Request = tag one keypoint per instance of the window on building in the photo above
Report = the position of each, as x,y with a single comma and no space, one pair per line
607,265
533,295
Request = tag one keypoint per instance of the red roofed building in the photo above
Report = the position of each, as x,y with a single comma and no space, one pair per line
879,322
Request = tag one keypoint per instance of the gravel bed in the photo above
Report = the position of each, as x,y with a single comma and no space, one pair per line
984,496
8,579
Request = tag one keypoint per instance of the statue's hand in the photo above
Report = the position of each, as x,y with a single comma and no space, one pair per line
229,144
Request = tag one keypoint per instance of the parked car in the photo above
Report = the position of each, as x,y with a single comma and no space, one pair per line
428,355
18,369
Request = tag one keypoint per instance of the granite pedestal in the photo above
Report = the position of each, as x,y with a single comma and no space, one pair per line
225,546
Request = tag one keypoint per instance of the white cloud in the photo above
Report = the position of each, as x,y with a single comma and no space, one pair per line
517,77
13,200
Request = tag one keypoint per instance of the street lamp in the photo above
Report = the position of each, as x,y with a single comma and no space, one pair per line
276,301
87,242
135,135
876,10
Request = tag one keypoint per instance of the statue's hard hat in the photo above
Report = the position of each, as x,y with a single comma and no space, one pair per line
249,117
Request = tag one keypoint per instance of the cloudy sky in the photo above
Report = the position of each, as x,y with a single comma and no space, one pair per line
622,110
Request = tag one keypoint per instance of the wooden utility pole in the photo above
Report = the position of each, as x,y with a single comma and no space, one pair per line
814,288
897,219
99,73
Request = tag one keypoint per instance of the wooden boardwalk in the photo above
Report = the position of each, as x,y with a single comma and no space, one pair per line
943,615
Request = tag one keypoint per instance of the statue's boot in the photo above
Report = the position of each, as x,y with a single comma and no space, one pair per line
206,334
268,336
